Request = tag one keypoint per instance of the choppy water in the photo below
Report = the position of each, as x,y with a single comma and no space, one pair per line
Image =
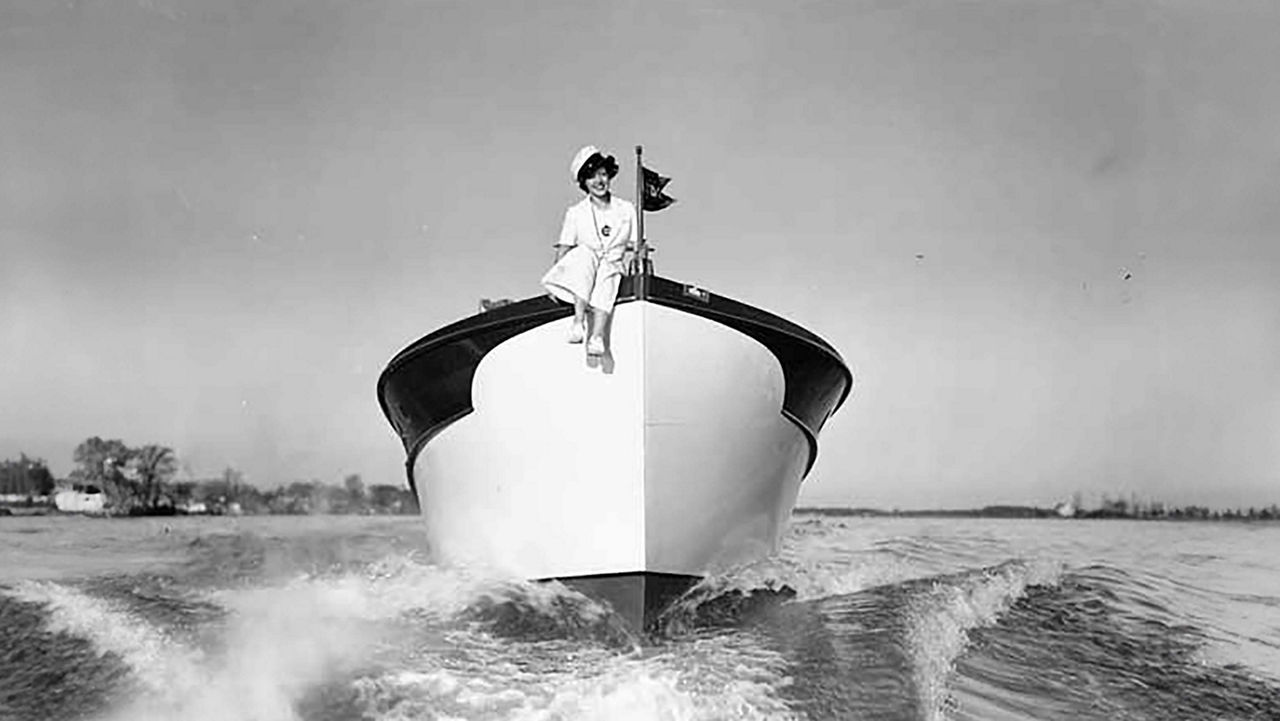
347,618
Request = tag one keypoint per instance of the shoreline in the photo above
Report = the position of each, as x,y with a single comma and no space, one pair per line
997,512
1031,512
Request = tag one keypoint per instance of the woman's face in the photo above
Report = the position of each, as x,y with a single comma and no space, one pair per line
598,183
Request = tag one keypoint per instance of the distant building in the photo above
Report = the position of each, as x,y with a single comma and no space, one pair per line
24,499
1065,509
81,499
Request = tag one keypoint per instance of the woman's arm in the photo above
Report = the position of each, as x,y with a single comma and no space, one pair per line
568,235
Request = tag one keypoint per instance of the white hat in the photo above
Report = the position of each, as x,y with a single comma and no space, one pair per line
587,153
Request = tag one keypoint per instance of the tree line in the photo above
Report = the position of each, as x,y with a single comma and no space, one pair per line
25,477
1108,508
229,494
140,480
1135,507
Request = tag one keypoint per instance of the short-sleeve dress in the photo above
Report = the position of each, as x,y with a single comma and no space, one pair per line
592,269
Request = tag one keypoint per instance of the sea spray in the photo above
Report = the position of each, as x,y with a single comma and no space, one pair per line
275,644
546,611
155,661
284,644
484,677
816,565
884,651
804,578
49,674
945,609
286,641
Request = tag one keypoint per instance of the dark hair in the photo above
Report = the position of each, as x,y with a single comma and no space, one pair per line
594,163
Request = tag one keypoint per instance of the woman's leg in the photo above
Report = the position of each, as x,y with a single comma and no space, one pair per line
578,330
603,294
599,319
570,280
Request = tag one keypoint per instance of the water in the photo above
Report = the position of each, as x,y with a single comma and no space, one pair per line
261,619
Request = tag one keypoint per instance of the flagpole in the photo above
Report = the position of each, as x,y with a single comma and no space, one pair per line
642,266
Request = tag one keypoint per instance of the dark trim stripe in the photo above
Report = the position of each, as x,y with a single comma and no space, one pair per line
427,386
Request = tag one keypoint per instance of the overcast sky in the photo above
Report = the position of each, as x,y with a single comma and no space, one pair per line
1045,235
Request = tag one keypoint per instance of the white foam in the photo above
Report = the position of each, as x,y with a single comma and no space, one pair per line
486,678
154,659
279,641
286,639
815,574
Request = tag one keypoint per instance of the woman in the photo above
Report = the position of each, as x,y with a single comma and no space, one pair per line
597,234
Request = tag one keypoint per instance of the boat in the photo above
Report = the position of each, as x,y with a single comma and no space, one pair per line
629,476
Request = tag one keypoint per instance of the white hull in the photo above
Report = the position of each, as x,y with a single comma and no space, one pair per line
671,455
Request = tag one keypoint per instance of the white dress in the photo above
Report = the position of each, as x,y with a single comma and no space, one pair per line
592,268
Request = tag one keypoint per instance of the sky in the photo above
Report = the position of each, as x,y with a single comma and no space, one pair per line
1044,235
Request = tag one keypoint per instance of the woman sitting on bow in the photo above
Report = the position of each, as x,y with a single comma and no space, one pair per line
597,234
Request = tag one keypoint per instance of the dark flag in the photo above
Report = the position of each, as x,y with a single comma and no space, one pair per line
654,198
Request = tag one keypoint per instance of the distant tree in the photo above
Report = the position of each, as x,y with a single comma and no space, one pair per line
329,499
251,499
355,490
296,498
225,490
305,490
210,491
301,489
1113,508
155,467
218,493
25,476
233,477
183,492
233,482
100,461
390,499
105,464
